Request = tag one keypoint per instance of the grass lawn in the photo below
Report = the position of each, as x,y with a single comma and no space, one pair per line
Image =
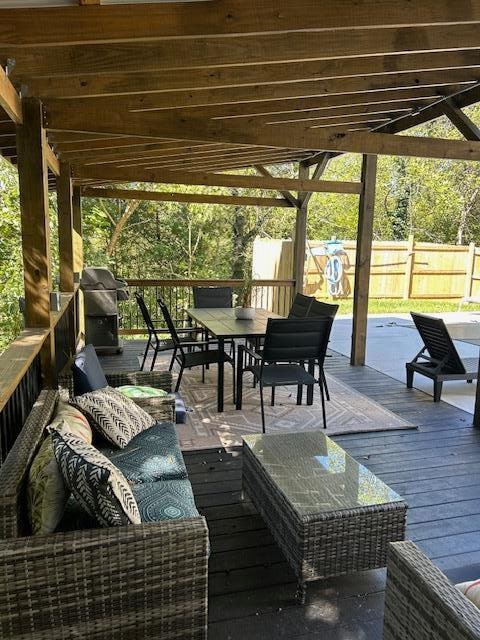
391,305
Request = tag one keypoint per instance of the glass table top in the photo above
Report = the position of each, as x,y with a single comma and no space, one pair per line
316,475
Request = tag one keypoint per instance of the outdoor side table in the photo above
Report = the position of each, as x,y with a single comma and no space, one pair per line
329,514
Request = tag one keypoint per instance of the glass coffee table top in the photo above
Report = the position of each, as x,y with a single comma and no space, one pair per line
316,475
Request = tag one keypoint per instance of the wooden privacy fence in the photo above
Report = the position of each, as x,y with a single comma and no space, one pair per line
404,270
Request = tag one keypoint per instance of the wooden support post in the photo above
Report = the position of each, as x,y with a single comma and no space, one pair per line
78,258
362,260
409,265
300,241
65,226
469,268
33,182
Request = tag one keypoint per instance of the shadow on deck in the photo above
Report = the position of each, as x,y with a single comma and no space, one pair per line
436,470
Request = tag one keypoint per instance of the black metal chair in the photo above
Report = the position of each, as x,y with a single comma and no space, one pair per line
288,343
198,356
154,341
320,309
438,359
300,306
212,297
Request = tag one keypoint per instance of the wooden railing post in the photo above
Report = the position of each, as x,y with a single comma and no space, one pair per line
33,182
410,263
65,226
363,259
300,241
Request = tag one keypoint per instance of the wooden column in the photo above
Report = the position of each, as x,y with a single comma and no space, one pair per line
300,241
33,182
78,257
362,260
65,227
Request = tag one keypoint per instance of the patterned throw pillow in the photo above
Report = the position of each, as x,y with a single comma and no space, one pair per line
471,590
135,391
46,492
98,486
117,418
73,421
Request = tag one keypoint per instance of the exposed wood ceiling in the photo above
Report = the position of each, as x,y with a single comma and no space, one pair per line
224,84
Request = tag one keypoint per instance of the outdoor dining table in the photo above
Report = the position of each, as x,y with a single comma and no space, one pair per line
223,325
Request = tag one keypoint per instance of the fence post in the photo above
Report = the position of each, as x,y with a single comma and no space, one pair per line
469,270
407,287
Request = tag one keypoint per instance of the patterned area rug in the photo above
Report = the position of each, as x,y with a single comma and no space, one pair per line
347,412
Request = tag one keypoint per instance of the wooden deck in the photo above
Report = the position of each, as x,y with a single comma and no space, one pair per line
436,469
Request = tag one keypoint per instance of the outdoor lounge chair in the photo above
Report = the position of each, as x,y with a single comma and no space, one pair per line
438,359
199,354
289,343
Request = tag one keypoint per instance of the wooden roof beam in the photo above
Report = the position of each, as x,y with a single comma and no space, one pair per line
200,198
289,197
461,121
293,136
57,25
116,174
10,101
213,52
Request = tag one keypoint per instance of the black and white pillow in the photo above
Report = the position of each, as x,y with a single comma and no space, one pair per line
99,487
117,418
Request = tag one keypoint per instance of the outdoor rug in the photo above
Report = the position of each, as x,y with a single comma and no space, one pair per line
347,412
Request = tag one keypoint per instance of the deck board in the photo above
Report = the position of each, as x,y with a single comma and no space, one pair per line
436,469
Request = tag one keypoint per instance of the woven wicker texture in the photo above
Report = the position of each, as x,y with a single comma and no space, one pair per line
421,603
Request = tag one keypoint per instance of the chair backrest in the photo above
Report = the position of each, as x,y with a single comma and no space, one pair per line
212,297
296,339
169,322
438,342
322,310
300,306
145,313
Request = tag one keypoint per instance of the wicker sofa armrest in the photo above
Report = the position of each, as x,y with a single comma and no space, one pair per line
143,581
157,379
421,603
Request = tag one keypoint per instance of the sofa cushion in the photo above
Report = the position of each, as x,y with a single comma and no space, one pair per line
87,372
165,500
72,419
471,590
116,417
138,391
154,454
46,491
98,486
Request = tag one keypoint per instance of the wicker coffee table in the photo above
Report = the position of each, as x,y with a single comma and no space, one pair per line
330,515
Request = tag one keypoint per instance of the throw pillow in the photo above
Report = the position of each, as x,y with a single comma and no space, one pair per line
46,491
135,391
98,486
116,417
73,421
471,590
87,371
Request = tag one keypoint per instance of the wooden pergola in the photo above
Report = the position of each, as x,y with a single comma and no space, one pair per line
178,93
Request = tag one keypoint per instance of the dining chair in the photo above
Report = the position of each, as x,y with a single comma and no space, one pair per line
438,359
212,297
199,353
289,342
318,309
154,341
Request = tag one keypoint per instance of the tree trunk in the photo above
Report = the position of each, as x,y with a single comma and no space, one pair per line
130,209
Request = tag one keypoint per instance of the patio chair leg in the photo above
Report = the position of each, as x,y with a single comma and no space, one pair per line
239,393
324,379
409,378
299,394
234,371
153,360
173,359
262,407
203,373
322,395
179,379
437,390
145,354
272,399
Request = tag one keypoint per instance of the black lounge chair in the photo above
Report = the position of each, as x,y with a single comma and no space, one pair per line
438,359
289,343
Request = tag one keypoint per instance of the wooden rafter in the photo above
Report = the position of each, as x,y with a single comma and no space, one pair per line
9,99
208,179
461,121
230,17
201,198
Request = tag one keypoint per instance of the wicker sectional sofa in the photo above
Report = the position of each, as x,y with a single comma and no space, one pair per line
138,581
421,603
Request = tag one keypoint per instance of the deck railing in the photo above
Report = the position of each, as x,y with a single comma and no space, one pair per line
273,295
